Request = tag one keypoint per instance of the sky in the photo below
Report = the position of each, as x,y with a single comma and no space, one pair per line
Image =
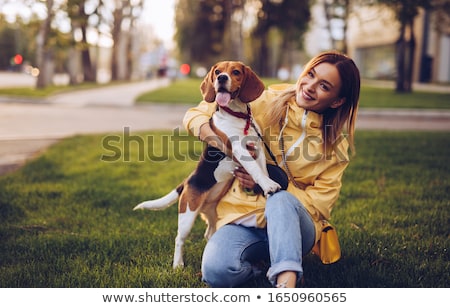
160,14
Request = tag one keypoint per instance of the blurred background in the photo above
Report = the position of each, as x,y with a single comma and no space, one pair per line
75,41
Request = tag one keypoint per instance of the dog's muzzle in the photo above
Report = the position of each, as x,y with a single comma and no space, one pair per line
222,79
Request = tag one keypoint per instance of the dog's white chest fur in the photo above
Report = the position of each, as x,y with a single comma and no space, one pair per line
235,129
232,126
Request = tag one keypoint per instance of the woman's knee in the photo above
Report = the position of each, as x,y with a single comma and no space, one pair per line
214,274
225,261
282,200
220,275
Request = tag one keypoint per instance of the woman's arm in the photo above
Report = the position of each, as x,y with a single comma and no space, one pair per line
196,121
323,193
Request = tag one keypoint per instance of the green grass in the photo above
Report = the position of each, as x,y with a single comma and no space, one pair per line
67,218
187,91
372,97
184,91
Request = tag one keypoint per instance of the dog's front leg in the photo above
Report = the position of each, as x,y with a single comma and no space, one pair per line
225,169
259,173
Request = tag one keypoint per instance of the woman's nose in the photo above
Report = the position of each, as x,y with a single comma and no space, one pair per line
309,87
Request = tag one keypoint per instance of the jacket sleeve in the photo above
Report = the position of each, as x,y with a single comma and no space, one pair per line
320,197
195,117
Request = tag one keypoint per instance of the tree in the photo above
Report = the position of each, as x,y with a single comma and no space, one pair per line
44,53
210,30
76,10
290,18
125,14
8,43
18,37
406,11
337,11
116,19
233,30
200,30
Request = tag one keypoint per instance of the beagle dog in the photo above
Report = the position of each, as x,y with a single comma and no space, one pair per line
232,85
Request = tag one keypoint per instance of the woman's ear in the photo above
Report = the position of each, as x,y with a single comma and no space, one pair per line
338,103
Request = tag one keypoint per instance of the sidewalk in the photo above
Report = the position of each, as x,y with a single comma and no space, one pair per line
29,127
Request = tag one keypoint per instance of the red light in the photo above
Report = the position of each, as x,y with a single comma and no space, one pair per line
18,59
185,69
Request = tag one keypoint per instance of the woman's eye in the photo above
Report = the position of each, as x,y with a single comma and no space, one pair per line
324,86
310,74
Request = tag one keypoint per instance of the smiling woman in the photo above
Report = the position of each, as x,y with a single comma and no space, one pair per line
250,227
319,88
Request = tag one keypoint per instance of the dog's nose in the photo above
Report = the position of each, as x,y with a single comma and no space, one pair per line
222,78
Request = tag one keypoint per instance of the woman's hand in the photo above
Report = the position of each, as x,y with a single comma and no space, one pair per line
244,178
207,135
242,175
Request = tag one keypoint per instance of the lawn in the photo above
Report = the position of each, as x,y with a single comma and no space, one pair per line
187,91
67,218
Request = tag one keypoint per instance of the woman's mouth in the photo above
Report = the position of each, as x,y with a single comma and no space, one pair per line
306,96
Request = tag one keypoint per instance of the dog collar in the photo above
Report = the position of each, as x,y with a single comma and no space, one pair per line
246,116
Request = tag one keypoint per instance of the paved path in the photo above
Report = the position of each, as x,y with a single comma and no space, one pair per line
29,127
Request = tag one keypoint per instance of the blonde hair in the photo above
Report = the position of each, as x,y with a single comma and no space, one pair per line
333,119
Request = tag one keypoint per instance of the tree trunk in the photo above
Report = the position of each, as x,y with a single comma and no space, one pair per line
116,38
410,59
400,61
263,57
43,54
121,60
344,29
88,68
237,46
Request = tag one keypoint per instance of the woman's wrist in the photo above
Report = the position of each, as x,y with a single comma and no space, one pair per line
206,134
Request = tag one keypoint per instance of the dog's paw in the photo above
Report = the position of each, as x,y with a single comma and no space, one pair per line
269,186
224,170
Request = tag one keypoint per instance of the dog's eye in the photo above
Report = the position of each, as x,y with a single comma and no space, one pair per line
236,72
217,72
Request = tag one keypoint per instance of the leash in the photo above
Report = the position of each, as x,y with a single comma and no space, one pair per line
265,144
241,115
283,155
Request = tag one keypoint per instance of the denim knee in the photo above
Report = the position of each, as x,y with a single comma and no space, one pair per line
282,198
215,275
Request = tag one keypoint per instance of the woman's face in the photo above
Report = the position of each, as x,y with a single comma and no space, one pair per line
319,89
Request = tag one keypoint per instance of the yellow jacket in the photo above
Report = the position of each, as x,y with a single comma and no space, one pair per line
318,176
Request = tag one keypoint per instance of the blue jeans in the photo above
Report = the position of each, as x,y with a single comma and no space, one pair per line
234,253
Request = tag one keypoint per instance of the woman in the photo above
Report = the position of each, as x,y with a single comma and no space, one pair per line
303,125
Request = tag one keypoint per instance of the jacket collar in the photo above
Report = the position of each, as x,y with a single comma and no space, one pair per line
296,116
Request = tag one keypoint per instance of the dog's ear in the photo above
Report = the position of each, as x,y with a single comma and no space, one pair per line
252,87
207,86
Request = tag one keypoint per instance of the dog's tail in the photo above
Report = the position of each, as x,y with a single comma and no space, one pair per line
163,202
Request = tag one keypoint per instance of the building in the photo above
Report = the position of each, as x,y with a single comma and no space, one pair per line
371,36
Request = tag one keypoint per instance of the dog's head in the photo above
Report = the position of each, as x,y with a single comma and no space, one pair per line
227,80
